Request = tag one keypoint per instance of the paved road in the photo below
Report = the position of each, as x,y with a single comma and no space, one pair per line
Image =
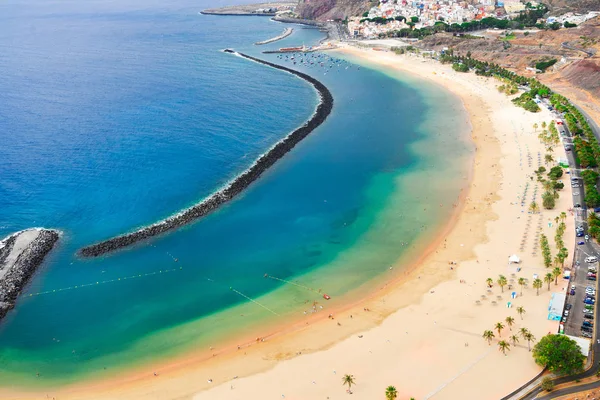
580,271
566,45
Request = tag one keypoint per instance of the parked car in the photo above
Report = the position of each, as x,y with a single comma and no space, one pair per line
569,306
587,237
589,316
591,259
589,301
580,243
577,205
586,334
586,328
566,313
588,323
572,293
579,234
564,320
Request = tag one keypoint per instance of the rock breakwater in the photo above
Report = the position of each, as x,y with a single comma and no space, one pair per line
235,187
20,256
286,32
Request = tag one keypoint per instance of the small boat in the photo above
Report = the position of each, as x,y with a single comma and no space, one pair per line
326,297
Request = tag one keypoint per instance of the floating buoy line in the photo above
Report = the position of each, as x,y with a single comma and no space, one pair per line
254,301
124,278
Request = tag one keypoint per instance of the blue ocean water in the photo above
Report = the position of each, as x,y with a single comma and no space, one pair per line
114,115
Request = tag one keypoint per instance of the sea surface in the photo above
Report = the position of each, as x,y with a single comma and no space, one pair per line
114,115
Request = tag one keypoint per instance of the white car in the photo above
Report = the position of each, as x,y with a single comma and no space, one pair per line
591,259
575,193
572,287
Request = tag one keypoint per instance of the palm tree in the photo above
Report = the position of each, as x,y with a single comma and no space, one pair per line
533,207
522,282
537,284
502,282
563,216
556,273
499,326
514,339
547,185
348,380
489,282
523,332
548,279
544,125
548,158
520,311
391,393
503,346
510,321
530,338
556,219
489,336
535,126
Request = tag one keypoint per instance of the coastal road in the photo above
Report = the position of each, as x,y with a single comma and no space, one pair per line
580,272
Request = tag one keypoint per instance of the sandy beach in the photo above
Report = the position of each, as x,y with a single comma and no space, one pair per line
421,332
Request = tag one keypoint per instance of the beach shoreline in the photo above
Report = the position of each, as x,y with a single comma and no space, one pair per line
430,275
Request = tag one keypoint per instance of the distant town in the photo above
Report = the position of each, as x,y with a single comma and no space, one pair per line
394,15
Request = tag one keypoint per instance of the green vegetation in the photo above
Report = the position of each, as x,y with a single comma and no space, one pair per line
522,282
460,67
502,282
537,284
594,225
559,354
391,393
548,200
503,346
348,380
567,24
489,336
509,88
547,384
592,197
498,327
546,251
588,150
543,65
526,101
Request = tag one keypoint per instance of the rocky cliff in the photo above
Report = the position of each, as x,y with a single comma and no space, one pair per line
323,10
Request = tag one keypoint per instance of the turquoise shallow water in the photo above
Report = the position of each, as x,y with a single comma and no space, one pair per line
116,115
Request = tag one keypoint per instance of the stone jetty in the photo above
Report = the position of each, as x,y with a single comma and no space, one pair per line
239,184
20,255
286,32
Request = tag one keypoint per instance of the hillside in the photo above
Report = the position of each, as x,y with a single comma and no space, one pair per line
576,73
323,10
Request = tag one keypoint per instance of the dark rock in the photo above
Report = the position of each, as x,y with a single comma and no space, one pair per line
238,185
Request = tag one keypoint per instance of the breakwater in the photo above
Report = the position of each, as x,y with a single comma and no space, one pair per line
238,184
20,256
286,32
